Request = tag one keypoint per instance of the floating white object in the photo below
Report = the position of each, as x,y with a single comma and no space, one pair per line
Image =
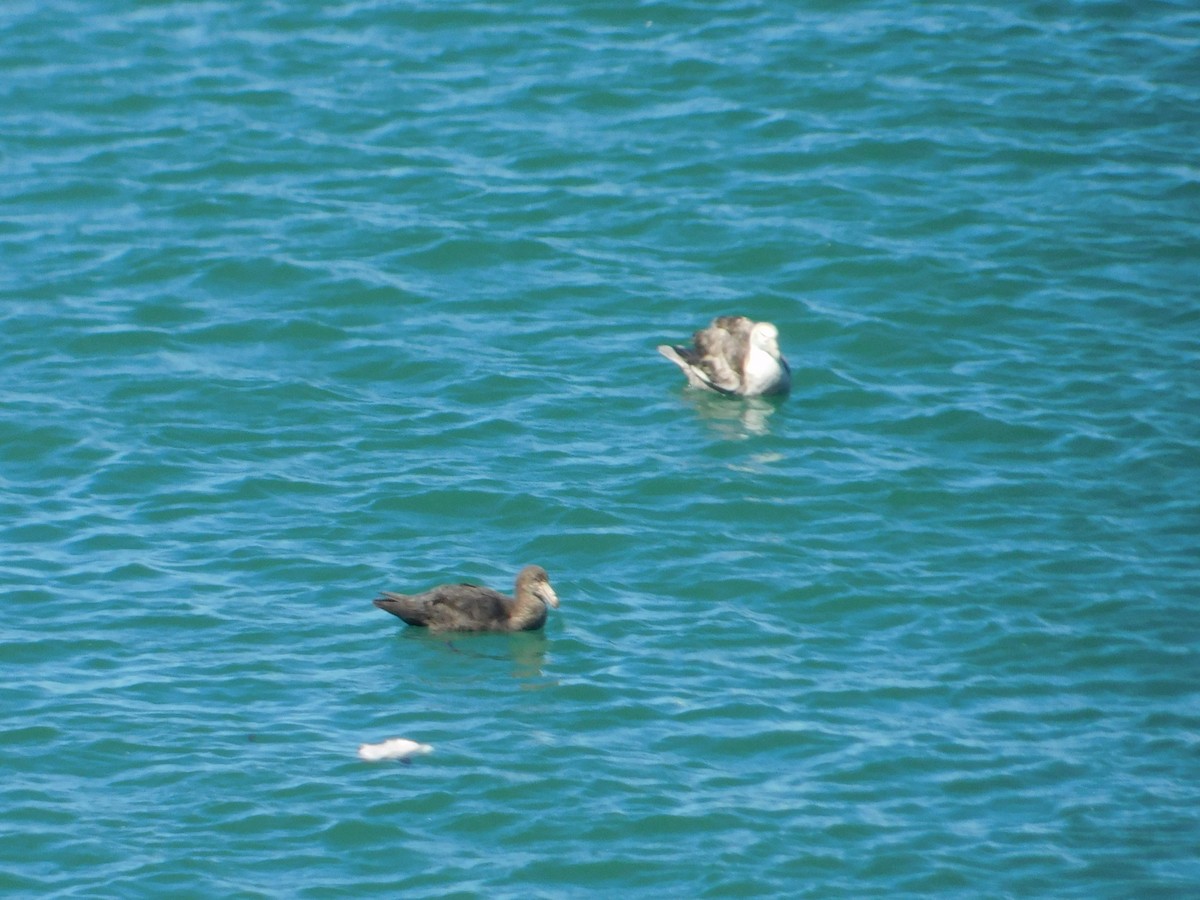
393,748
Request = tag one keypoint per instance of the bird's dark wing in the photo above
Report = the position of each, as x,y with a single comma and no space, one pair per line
460,605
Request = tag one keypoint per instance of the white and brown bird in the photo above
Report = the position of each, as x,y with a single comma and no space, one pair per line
469,607
735,356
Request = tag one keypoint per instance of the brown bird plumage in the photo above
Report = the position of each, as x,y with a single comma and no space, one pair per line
470,607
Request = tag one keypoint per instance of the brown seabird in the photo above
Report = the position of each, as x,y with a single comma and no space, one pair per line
469,607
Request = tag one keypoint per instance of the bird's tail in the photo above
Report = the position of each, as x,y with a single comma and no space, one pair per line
675,355
401,606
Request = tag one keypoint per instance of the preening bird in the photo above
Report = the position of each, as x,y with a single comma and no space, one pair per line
734,356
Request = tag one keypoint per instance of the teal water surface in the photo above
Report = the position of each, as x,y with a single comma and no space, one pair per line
302,301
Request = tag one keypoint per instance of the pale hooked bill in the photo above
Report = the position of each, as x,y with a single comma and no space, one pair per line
394,748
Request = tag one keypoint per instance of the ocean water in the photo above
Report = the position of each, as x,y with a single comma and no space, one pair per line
300,301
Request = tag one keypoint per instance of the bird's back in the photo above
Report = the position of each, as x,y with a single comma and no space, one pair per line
450,607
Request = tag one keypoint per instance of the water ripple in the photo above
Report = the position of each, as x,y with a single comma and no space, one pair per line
301,304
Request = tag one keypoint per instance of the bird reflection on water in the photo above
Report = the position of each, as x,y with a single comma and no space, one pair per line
734,419
525,651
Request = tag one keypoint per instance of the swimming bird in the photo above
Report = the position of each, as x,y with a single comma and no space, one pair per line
469,607
734,356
